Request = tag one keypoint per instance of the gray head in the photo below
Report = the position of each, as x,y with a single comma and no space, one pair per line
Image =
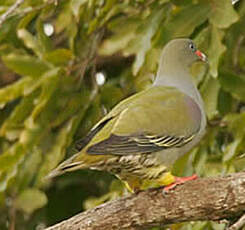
181,52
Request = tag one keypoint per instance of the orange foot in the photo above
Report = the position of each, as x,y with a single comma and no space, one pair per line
179,180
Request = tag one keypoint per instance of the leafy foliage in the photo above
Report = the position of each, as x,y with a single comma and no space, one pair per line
50,52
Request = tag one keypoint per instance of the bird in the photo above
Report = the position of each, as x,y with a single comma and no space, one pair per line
143,135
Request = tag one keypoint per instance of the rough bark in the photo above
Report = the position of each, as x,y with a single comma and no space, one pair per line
202,199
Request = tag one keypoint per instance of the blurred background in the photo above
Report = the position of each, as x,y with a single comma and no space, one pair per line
65,64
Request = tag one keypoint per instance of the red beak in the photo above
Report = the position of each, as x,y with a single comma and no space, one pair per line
201,55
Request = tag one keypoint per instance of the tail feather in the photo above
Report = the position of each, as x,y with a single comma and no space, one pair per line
66,166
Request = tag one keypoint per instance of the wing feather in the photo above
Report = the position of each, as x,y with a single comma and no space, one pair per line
129,127
122,145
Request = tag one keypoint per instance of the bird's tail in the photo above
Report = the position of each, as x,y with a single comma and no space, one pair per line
66,166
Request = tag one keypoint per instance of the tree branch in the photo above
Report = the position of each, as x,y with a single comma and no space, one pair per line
10,11
202,199
239,224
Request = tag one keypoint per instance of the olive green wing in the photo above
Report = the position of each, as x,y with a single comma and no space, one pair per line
150,121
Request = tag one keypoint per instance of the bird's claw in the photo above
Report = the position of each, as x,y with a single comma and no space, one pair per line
178,180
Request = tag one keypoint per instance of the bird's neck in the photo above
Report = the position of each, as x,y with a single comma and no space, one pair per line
180,78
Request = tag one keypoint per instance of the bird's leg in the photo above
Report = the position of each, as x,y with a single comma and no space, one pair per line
133,185
179,180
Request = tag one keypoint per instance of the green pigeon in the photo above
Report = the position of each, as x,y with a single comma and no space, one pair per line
141,137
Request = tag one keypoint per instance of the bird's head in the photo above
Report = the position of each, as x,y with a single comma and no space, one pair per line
182,52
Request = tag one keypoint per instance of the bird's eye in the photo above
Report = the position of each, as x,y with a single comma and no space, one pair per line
192,47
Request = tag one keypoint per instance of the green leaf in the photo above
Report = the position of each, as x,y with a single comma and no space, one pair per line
210,92
6,176
8,32
107,10
236,124
234,84
26,65
57,152
142,44
124,31
93,114
14,123
225,102
44,79
183,166
218,226
12,157
26,20
201,157
14,90
209,41
222,14
110,95
49,81
30,200
216,49
30,41
59,56
231,149
44,42
64,18
183,23
71,107
75,6
147,73
28,169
